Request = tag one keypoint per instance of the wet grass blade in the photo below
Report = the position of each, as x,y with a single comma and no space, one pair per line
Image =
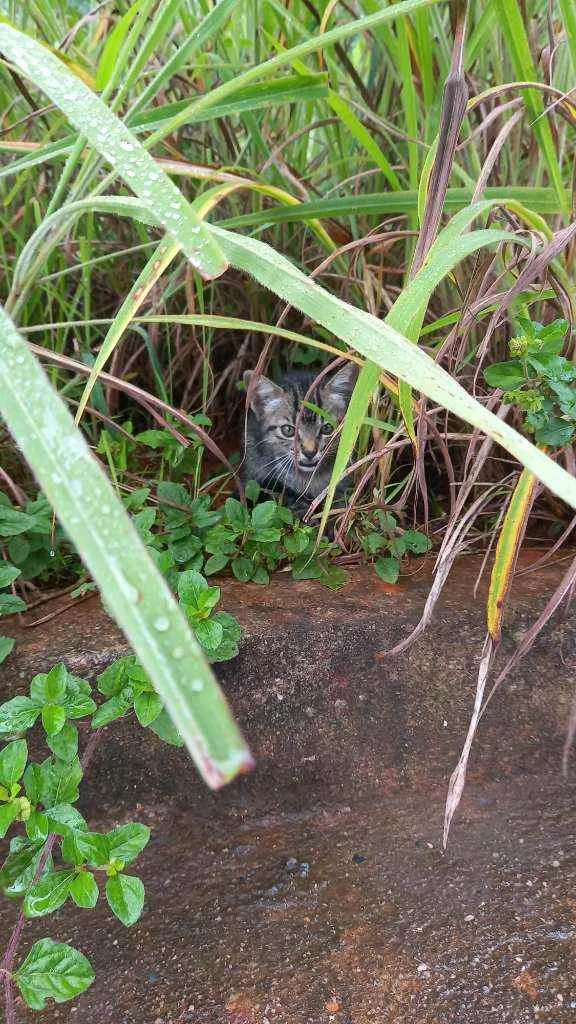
53,228
155,267
110,137
389,349
541,200
132,587
406,316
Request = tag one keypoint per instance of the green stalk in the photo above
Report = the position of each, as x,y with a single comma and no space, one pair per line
132,588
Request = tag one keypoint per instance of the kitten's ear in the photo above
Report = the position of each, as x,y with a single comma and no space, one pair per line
265,394
337,391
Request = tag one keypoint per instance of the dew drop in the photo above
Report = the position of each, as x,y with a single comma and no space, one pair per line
161,624
197,685
178,653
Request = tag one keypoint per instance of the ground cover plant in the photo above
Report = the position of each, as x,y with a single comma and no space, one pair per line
192,189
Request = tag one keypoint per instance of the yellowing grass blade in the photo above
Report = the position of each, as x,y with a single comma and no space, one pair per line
509,543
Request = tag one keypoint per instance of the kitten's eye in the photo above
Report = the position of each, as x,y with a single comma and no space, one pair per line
327,428
287,430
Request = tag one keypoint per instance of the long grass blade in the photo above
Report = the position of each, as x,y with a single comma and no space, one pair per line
155,267
507,550
132,587
390,349
107,134
512,23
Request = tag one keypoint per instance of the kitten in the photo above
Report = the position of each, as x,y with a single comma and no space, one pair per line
290,449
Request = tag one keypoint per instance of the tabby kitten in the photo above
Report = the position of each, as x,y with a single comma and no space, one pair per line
290,449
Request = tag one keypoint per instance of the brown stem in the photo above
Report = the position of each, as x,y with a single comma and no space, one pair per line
8,962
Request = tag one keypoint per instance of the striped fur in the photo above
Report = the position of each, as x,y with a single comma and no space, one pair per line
290,448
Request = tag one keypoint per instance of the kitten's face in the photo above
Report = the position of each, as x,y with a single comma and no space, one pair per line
297,446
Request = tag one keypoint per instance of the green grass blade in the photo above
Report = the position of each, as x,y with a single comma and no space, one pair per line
542,200
512,23
363,137
202,33
319,42
568,11
47,235
389,349
109,62
132,587
155,267
406,316
107,134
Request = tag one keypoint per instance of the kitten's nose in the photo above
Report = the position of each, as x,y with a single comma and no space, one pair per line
308,453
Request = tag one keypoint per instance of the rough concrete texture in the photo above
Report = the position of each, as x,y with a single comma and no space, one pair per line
316,889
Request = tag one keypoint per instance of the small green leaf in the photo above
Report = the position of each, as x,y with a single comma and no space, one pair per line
147,707
84,890
156,439
79,847
37,827
252,490
126,841
65,779
20,865
164,727
215,564
236,515
113,678
416,542
53,718
38,688
48,895
8,573
13,522
388,569
263,515
398,547
53,970
125,895
6,647
8,814
209,633
10,604
109,711
55,685
18,714
79,706
555,433
267,536
184,550
505,375
13,760
243,569
64,819
232,630
64,743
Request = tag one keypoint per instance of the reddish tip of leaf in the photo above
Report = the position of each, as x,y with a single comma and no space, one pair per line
216,779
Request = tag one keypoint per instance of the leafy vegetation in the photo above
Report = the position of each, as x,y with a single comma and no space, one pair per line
191,189
539,381
54,856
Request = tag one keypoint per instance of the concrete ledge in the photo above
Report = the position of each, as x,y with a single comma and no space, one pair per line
315,890
328,719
